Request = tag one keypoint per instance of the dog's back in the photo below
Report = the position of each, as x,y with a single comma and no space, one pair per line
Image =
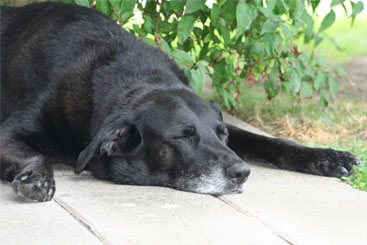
29,36
52,45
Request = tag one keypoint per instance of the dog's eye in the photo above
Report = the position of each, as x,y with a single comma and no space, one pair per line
189,131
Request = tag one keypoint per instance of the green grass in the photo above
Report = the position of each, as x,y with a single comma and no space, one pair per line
341,125
359,179
351,40
358,148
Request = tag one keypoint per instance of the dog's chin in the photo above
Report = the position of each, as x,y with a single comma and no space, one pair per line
237,190
214,190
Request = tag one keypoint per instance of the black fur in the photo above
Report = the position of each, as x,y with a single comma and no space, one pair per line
76,88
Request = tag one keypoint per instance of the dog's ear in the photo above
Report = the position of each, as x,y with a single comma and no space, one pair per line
109,142
216,108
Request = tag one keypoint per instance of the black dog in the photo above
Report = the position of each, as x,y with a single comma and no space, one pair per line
78,89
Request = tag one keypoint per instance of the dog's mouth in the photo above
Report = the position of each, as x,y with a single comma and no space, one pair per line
228,189
239,189
215,183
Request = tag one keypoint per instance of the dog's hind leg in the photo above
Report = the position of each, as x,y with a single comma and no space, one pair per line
29,171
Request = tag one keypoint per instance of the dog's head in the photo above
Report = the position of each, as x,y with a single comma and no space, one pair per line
172,138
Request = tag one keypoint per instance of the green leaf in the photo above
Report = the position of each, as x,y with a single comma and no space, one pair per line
219,75
341,70
245,14
268,13
309,28
317,40
203,71
271,87
309,73
226,96
139,30
148,24
230,66
327,21
84,3
336,2
286,32
324,96
219,88
319,60
195,81
295,80
149,40
228,12
203,51
269,26
296,8
150,4
314,4
127,5
280,8
176,5
357,8
271,4
214,13
320,80
304,57
333,85
104,6
306,89
194,5
185,27
182,57
223,30
197,78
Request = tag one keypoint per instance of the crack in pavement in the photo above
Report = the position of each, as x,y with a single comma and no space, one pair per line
80,219
246,213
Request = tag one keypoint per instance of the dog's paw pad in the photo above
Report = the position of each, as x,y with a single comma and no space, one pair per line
34,186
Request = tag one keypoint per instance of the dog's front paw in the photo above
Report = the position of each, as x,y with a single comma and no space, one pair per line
335,163
34,186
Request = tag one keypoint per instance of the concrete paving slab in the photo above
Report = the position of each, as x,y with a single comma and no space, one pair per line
304,209
239,123
277,207
153,215
38,223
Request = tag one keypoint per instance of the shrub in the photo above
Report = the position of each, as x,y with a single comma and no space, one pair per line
234,41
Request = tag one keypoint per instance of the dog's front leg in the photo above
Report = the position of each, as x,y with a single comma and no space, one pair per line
30,172
290,155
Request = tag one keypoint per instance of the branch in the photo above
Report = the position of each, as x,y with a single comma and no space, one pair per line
118,15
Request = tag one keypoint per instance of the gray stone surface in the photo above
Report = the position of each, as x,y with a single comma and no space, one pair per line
23,222
277,207
238,123
305,209
155,215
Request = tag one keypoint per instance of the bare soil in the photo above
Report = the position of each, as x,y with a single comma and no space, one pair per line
356,85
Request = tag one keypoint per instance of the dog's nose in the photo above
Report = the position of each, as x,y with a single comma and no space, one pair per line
238,172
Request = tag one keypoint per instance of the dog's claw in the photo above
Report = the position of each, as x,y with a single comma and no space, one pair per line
340,163
341,171
34,186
